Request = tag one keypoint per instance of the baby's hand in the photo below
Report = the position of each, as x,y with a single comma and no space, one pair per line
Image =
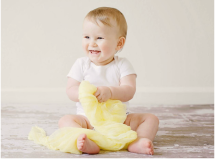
103,93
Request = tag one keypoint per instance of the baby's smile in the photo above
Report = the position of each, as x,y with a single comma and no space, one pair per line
94,52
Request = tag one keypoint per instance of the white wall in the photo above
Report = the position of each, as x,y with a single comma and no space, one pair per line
169,42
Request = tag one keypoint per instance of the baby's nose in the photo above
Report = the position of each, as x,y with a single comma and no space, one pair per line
93,43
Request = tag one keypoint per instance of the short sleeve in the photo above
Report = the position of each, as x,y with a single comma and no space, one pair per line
125,68
76,72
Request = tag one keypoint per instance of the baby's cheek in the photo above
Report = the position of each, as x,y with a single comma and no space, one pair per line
106,48
84,46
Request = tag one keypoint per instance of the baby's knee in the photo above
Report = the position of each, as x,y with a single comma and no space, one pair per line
153,118
65,119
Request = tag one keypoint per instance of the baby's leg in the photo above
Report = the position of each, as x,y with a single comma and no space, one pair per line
79,121
146,126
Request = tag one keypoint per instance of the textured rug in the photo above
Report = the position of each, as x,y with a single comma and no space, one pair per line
185,131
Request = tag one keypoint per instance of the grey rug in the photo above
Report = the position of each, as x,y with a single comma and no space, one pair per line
185,131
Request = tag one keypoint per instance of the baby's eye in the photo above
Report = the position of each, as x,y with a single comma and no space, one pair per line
87,37
100,38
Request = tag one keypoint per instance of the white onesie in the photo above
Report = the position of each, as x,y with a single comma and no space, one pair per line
107,75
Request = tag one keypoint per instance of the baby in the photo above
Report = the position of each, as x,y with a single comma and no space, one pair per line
104,34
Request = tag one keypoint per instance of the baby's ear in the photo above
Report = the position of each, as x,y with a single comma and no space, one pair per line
120,43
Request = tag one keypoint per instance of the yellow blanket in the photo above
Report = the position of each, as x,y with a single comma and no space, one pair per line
107,118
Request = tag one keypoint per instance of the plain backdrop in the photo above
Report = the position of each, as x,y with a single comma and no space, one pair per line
170,44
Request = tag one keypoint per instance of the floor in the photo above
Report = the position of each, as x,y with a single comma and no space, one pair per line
185,131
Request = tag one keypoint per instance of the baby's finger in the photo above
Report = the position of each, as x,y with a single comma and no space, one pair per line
104,100
100,101
97,93
99,98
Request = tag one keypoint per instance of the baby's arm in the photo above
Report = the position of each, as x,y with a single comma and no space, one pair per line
124,92
72,89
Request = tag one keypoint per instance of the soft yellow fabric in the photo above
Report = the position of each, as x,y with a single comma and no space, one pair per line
107,118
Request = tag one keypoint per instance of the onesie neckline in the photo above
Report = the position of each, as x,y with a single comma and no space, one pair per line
103,65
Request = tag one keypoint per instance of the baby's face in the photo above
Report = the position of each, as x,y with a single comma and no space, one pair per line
100,42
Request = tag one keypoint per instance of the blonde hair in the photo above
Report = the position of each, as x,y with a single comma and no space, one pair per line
104,15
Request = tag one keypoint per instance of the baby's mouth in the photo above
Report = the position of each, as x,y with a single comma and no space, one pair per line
94,51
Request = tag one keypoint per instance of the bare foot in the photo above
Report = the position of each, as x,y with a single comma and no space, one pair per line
142,145
86,145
